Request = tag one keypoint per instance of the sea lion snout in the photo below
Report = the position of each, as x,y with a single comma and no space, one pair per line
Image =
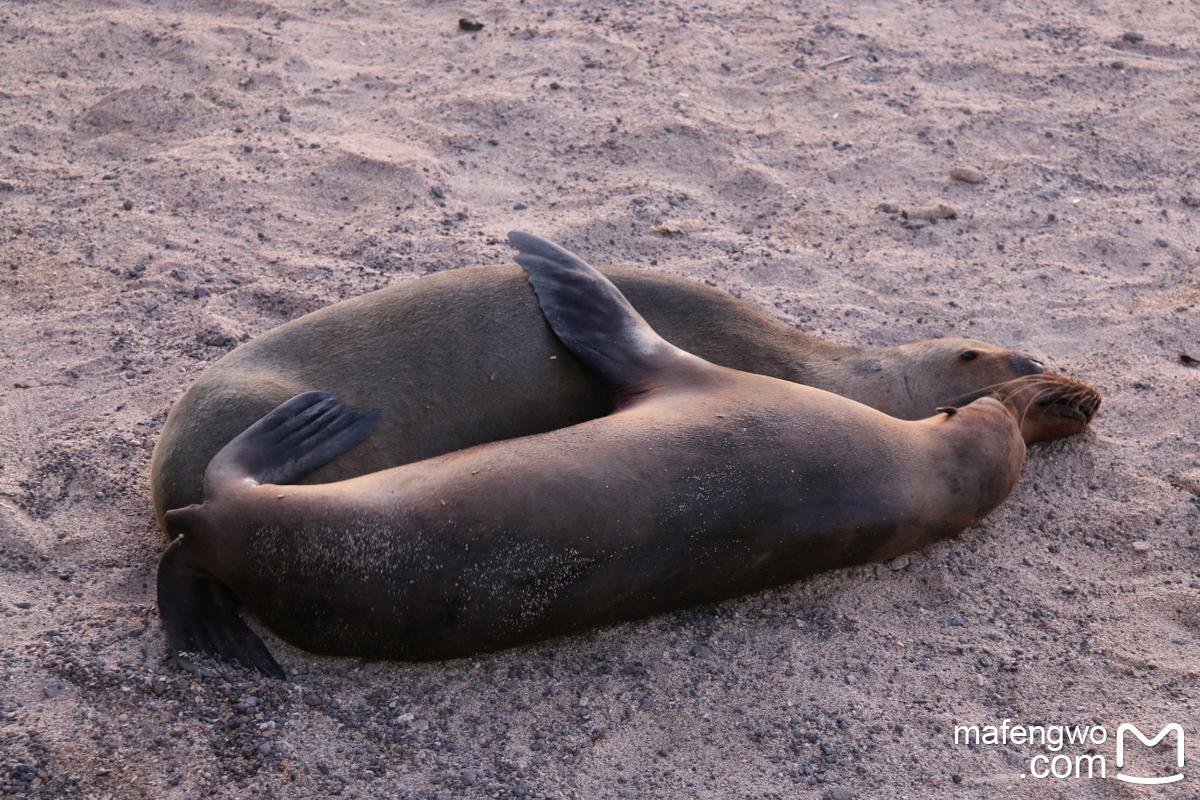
1049,406
1025,364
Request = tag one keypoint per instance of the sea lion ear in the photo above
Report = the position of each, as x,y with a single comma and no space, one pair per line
591,316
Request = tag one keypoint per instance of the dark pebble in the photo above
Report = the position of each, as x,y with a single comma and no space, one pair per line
840,794
312,700
51,688
127,205
23,605
1117,65
703,651
1161,242
956,622
1142,385
520,207
646,703
1133,36
470,25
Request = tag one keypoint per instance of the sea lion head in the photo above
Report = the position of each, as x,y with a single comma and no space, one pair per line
912,380
1045,405
954,372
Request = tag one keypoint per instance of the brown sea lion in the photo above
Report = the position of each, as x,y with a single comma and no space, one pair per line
464,357
704,483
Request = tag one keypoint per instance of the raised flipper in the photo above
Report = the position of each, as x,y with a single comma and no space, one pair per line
591,316
199,612
302,435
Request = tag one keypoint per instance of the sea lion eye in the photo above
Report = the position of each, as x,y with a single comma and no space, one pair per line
967,355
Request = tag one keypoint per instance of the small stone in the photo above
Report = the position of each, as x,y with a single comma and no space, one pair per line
1141,546
840,793
703,651
1161,242
519,207
159,687
51,689
967,175
23,604
420,725
1133,37
1178,640
264,749
646,703
956,622
899,563
469,25
1189,481
127,205
312,700
940,211
888,208
1117,65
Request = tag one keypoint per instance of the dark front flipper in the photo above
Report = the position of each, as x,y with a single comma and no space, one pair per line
591,316
200,616
302,435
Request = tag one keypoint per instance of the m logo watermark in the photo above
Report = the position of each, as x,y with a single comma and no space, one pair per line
1173,727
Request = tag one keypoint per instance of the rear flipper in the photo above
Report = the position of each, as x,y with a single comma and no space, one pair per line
199,612
592,318
200,616
300,436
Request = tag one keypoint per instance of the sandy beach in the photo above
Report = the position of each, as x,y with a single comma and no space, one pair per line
178,177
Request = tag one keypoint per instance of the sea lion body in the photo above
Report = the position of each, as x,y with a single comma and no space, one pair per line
465,357
705,483
707,489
